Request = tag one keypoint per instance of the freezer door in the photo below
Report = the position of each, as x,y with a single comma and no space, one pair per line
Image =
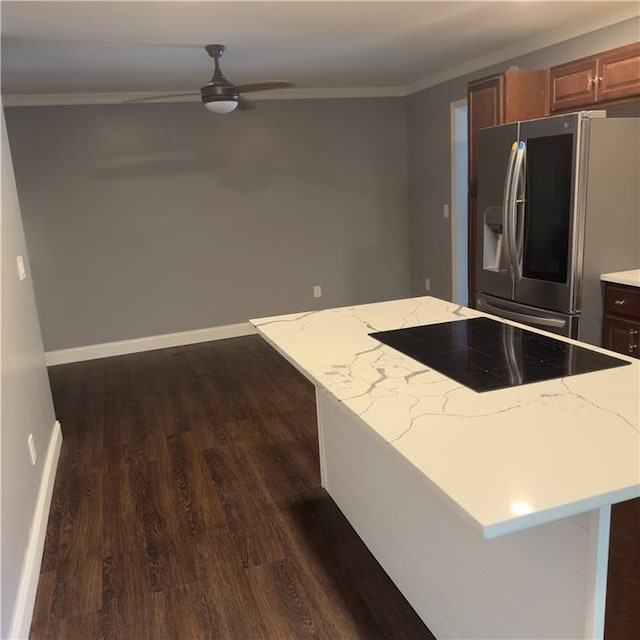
496,158
559,323
549,212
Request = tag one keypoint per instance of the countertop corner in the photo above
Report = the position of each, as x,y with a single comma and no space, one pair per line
631,277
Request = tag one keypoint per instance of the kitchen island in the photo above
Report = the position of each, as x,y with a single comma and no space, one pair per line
490,511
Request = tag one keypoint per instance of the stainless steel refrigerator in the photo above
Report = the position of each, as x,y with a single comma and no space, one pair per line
558,204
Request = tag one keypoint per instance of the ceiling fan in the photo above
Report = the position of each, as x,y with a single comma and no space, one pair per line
220,95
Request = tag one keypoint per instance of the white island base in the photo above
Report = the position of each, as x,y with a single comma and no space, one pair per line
545,582
489,511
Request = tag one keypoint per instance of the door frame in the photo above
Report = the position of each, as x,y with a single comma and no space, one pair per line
459,205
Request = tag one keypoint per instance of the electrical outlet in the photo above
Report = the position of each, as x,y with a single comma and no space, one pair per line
317,291
445,211
427,284
32,449
22,272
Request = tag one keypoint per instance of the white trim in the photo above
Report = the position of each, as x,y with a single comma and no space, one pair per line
336,92
66,99
26,597
453,213
69,99
454,200
148,343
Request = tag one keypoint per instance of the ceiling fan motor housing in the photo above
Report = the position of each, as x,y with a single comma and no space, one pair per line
219,89
216,92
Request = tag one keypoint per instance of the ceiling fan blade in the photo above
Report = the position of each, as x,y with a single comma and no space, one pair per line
30,42
245,104
264,86
161,96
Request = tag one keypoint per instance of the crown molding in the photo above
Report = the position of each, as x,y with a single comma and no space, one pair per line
342,92
528,46
60,99
66,99
503,55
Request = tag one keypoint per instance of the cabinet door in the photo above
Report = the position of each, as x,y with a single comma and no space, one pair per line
485,100
619,73
621,335
525,94
485,107
573,84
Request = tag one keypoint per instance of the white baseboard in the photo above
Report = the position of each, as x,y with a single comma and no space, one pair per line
149,343
28,585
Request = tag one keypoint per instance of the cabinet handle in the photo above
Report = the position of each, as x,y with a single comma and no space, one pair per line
620,302
632,343
591,81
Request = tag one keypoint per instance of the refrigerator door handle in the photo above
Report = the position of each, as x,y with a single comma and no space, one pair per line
556,323
509,349
516,203
506,204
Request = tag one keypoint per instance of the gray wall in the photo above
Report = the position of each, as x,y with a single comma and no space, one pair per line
25,398
428,122
153,218
150,219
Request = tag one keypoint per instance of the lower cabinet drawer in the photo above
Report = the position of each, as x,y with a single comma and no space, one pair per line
622,300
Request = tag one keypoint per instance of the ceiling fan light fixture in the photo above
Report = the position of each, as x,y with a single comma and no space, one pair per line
219,95
221,105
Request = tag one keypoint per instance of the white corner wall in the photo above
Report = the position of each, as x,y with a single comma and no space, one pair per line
26,408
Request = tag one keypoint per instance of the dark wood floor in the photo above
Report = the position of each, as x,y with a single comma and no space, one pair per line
188,505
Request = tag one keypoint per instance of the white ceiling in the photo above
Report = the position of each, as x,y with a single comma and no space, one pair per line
348,48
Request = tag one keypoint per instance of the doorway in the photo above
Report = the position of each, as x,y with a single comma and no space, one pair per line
459,202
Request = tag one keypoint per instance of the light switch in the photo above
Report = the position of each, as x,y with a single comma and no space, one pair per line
22,274
445,211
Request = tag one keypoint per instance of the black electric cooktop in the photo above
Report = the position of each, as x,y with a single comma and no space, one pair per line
486,355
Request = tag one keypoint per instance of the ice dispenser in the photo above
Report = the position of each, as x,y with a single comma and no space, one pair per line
493,259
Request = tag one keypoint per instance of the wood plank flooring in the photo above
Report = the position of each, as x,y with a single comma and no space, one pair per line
188,505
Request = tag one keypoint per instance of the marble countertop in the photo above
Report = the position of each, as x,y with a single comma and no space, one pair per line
631,277
505,460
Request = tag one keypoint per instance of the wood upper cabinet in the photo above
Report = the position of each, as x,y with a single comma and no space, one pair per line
573,85
485,108
610,76
516,94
